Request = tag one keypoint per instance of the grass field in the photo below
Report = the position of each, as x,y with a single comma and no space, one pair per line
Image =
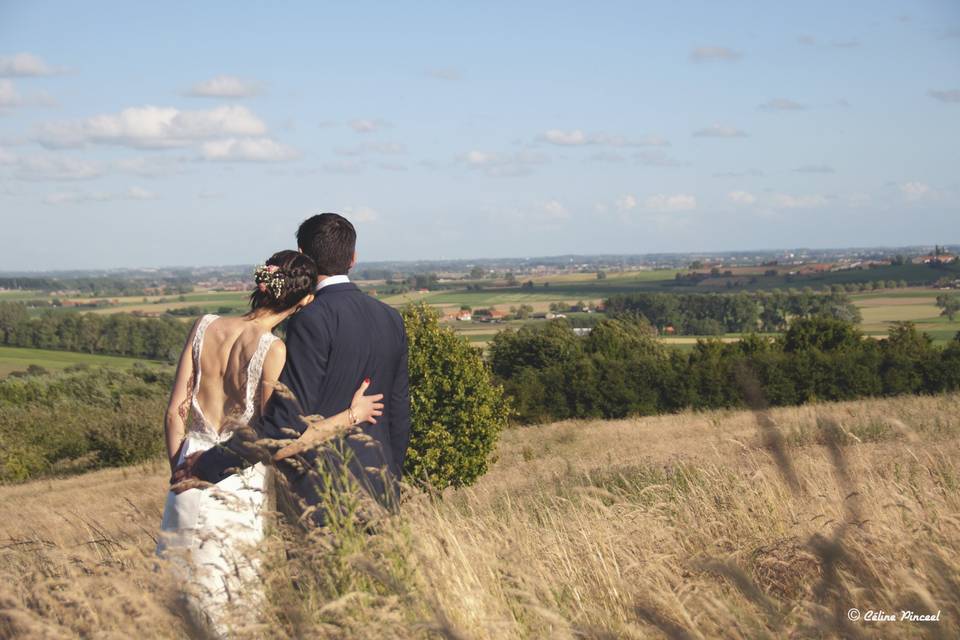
16,359
19,295
881,309
713,525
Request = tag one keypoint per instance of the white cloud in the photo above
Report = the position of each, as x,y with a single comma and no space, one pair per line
448,74
719,131
627,202
664,203
361,125
554,210
659,209
503,164
247,150
915,190
613,157
139,193
361,214
82,197
10,97
25,65
657,158
787,201
949,95
152,127
55,167
741,197
706,54
782,104
225,87
379,148
152,167
576,137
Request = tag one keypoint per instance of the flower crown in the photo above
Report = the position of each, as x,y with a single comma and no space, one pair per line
268,277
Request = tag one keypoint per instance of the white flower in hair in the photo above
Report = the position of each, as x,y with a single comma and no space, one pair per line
268,277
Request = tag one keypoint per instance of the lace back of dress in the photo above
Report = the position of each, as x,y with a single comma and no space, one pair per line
254,376
197,421
254,372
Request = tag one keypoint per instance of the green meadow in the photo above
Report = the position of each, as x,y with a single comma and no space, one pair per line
17,359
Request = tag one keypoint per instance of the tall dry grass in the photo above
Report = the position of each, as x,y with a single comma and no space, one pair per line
683,526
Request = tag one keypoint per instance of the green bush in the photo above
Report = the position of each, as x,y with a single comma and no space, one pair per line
457,411
80,420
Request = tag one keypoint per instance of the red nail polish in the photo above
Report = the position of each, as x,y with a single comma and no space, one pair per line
366,380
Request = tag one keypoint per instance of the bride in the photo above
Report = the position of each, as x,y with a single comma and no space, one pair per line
226,375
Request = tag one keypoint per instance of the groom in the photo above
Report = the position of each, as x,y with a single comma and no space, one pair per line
333,344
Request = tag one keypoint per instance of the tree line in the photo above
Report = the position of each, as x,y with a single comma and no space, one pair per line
718,313
115,334
621,369
101,286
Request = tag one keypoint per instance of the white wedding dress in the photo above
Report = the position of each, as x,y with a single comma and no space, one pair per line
210,534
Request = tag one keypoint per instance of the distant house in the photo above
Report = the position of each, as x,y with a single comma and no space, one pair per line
465,316
497,316
581,331
818,267
669,330
941,258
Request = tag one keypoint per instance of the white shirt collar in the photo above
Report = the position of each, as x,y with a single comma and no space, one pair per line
326,282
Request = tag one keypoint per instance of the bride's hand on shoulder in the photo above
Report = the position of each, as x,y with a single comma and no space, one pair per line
366,408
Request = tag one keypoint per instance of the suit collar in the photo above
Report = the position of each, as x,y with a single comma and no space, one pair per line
334,288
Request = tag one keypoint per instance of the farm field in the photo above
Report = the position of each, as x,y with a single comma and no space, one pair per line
13,296
16,359
881,309
675,526
160,304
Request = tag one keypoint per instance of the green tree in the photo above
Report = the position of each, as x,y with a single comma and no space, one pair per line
457,410
535,347
908,360
12,314
522,312
950,305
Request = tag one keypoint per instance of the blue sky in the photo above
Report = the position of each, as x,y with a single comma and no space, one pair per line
136,134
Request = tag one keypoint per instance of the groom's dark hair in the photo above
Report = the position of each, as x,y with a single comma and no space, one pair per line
330,240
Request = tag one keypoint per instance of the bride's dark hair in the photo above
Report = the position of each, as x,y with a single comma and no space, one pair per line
283,281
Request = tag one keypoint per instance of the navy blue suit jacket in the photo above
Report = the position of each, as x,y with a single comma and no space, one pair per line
335,342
